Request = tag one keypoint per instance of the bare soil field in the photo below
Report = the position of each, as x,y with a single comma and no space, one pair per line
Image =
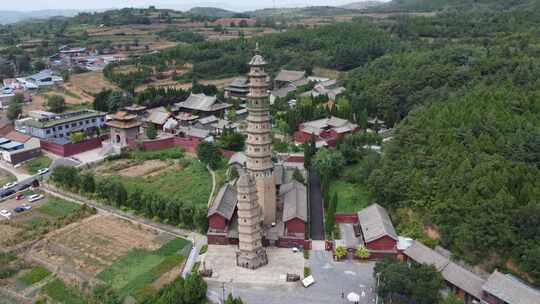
8,233
94,244
134,168
169,83
89,83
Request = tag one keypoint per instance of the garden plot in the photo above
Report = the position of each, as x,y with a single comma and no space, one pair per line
93,245
135,168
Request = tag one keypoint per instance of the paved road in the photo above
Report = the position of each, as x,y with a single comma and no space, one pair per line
316,212
331,280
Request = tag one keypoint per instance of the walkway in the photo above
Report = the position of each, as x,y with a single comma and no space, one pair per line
213,173
316,209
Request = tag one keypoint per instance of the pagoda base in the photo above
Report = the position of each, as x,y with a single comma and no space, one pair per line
252,260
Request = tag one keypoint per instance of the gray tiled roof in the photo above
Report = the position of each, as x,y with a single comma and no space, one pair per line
510,289
422,254
375,223
202,102
464,279
158,116
290,76
225,202
294,198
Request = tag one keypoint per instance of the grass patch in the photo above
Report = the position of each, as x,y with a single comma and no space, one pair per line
172,153
306,254
32,166
60,293
57,208
190,186
35,275
352,197
131,274
172,247
196,267
145,293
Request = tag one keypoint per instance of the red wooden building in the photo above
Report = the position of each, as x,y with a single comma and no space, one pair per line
378,232
220,216
325,132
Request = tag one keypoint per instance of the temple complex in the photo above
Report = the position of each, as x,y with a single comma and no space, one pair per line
264,206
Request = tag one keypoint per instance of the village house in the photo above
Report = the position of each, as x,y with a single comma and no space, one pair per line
58,127
377,231
329,88
16,148
157,116
287,82
326,131
45,78
202,105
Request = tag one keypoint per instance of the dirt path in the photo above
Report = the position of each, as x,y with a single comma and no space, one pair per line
213,186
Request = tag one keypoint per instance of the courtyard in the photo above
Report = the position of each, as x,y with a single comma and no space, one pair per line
332,279
222,261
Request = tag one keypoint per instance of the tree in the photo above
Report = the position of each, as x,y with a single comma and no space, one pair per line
88,184
14,110
104,294
209,154
55,103
399,282
66,177
76,137
309,151
231,140
151,132
328,163
297,176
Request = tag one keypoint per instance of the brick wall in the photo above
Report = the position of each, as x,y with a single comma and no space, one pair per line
351,218
383,243
71,149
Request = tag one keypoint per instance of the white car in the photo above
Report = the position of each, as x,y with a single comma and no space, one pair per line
10,185
5,213
43,171
35,197
26,206
295,250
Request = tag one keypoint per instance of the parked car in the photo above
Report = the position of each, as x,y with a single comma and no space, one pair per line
7,193
35,197
43,171
5,213
19,209
10,185
19,197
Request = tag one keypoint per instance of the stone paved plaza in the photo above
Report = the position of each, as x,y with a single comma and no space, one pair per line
222,261
331,280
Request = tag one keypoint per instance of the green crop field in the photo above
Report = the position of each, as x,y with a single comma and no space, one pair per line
35,275
57,208
132,274
191,185
60,293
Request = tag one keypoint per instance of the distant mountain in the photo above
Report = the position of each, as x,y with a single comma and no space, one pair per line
211,12
7,17
361,5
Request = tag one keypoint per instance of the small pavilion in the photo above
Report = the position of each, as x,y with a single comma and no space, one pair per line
124,127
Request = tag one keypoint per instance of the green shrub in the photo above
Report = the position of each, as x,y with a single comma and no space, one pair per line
60,293
307,272
35,275
204,249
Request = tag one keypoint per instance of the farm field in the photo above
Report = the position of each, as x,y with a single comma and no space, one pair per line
92,245
185,180
45,215
89,83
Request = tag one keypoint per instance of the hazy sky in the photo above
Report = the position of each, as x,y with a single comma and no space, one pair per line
28,5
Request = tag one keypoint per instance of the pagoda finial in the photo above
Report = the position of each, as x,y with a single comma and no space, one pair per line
257,48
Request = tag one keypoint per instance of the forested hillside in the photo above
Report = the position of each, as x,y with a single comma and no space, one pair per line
468,5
